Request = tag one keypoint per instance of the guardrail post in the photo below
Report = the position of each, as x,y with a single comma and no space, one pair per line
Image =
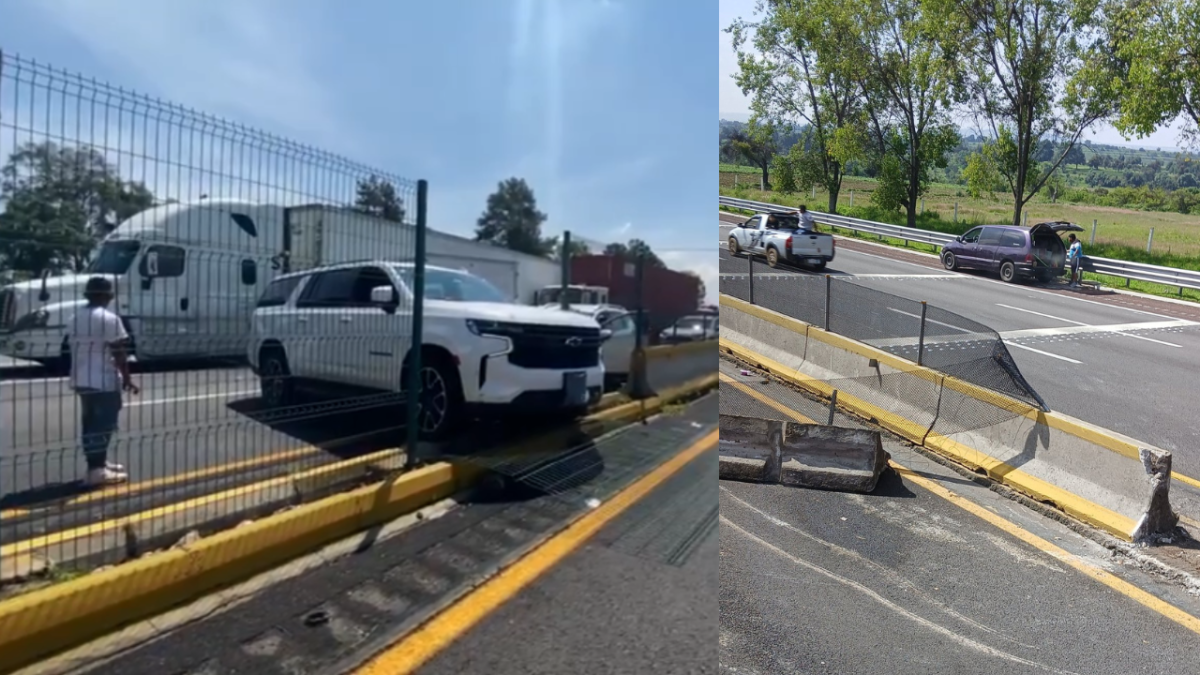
828,288
1150,241
750,275
921,338
832,406
1093,241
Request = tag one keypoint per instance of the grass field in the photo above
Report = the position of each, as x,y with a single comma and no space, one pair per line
1175,235
1120,233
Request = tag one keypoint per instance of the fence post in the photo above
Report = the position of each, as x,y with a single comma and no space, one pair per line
814,191
852,199
1093,241
1150,241
921,339
412,403
750,274
828,288
566,270
639,385
956,212
832,406
922,205
1026,219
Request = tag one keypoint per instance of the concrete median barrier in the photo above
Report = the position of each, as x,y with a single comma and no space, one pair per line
1098,476
669,366
801,455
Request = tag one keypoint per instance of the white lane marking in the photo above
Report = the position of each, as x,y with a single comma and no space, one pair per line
1117,329
1038,351
918,316
200,397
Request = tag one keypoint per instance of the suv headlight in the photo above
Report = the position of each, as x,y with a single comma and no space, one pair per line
482,327
32,321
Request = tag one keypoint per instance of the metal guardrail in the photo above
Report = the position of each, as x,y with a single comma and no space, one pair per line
1124,269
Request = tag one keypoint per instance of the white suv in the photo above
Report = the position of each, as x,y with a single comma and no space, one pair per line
349,326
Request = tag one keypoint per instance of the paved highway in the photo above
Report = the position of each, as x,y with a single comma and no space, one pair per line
182,421
931,573
1096,358
621,591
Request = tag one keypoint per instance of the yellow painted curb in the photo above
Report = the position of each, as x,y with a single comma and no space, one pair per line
41,623
658,352
1078,507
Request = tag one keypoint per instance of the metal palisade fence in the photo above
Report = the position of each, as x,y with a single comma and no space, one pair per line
917,331
181,225
1121,269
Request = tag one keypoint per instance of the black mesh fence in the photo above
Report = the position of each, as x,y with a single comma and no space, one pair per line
916,331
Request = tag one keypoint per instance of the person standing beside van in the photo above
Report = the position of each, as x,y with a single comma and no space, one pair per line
1074,256
99,375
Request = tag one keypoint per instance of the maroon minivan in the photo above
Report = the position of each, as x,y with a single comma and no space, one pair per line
1036,252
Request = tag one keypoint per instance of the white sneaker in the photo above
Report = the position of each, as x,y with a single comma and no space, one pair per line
105,476
113,466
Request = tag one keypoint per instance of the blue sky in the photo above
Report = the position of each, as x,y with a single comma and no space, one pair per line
734,106
603,109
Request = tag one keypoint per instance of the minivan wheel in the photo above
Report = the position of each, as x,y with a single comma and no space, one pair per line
772,257
734,249
1008,272
949,261
275,380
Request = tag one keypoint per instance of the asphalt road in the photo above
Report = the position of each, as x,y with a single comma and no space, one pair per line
1125,369
907,581
182,421
638,597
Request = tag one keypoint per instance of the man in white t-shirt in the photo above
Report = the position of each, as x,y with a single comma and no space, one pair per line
99,373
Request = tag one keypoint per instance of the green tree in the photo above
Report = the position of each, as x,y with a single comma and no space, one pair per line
377,196
794,74
907,62
757,145
634,249
58,202
981,176
1037,70
1156,64
512,220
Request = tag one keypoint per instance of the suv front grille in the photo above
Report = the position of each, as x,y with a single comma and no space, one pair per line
549,347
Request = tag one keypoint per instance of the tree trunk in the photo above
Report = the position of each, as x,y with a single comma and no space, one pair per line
766,177
911,210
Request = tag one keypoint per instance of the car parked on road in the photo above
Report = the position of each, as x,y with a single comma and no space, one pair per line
1016,253
348,327
691,328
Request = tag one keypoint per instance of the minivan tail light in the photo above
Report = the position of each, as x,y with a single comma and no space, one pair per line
788,244
1028,257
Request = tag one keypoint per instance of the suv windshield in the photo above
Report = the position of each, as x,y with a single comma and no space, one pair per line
454,286
114,257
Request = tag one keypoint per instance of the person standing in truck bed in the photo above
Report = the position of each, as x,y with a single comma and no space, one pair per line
806,220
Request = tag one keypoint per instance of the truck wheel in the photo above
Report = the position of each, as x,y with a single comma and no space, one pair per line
734,249
949,261
1008,272
275,380
440,400
772,257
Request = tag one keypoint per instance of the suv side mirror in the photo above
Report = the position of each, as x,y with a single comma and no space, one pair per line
385,296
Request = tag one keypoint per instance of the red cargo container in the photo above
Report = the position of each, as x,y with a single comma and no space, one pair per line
668,294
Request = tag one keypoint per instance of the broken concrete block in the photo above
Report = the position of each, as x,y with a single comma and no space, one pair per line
803,455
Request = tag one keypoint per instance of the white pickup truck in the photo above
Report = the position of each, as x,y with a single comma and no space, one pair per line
779,237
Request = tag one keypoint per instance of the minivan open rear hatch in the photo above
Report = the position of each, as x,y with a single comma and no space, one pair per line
1059,226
